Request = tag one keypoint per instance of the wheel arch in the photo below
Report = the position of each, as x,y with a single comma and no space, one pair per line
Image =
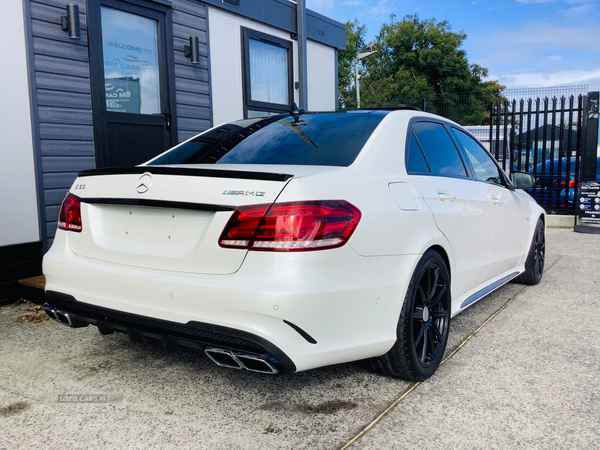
442,251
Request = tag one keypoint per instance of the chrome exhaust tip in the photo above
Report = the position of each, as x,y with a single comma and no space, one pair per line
233,360
223,358
63,317
256,364
50,310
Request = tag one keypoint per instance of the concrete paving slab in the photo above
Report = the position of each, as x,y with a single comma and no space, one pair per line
559,221
529,379
182,400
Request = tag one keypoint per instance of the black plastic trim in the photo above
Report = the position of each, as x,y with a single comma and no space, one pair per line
129,321
187,172
301,332
157,204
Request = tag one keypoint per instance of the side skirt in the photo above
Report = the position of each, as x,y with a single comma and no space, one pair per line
487,290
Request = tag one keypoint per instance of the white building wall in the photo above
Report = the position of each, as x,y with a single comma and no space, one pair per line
18,200
226,66
226,62
321,77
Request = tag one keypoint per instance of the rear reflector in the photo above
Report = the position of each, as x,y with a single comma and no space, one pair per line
293,226
69,218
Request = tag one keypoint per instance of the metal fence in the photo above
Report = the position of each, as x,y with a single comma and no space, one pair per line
472,109
535,130
463,108
566,91
542,137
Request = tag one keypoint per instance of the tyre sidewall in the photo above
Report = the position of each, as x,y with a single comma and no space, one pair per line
422,372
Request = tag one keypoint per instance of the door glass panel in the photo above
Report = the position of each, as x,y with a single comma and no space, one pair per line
439,149
484,167
130,50
268,73
416,161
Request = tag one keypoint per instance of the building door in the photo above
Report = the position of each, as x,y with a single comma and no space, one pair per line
132,92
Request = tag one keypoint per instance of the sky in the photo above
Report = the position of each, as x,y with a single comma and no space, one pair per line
523,43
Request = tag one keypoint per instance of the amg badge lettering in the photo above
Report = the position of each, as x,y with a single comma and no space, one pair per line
245,193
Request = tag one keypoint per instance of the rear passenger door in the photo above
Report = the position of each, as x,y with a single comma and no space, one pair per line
459,204
509,211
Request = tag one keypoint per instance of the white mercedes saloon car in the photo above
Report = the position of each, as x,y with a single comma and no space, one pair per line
289,242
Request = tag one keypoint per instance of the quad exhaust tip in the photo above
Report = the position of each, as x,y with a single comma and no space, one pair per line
233,360
63,317
221,357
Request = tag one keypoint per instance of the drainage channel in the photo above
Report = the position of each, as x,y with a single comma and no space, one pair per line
414,386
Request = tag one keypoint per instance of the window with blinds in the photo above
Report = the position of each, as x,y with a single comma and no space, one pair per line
268,68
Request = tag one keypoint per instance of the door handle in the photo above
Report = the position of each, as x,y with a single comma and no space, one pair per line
167,115
446,196
496,201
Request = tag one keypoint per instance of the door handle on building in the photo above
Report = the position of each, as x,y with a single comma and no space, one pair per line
167,115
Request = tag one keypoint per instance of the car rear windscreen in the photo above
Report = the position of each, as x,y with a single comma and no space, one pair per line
311,139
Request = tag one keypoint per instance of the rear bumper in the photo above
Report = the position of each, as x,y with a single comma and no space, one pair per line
346,304
193,334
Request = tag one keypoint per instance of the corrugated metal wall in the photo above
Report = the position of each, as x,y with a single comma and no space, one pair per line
64,102
62,79
191,81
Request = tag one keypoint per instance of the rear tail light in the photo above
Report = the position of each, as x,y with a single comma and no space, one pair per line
571,184
293,226
69,218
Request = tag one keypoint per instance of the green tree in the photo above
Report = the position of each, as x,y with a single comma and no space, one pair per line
422,59
355,43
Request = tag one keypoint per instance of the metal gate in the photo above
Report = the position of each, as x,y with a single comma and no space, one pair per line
542,137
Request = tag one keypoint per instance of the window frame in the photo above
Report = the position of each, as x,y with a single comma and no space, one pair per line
467,167
507,183
411,133
254,105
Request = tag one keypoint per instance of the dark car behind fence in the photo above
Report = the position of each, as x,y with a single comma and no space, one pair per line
555,139
550,132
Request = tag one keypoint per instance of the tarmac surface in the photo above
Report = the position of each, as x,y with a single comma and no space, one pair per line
522,370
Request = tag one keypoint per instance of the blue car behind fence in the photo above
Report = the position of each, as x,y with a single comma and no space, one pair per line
555,184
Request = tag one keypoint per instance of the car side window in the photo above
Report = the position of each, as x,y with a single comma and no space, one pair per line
415,162
440,152
483,165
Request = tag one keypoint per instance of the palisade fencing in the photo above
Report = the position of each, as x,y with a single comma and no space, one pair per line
566,91
541,136
464,108
535,130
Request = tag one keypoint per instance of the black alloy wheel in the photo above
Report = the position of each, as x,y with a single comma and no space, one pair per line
424,323
534,265
430,316
539,250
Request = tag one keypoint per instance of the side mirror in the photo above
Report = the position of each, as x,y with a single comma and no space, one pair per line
522,180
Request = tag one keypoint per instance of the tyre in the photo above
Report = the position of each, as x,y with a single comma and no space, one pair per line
534,265
423,326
